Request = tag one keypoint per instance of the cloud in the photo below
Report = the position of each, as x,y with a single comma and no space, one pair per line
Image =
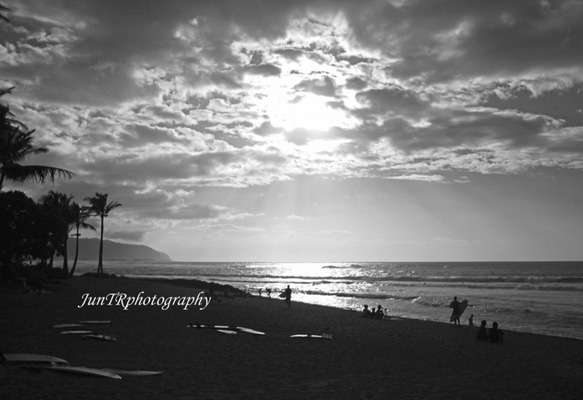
266,128
396,101
323,86
264,70
187,95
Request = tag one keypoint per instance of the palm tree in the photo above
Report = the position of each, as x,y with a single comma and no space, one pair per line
100,207
15,146
58,205
80,214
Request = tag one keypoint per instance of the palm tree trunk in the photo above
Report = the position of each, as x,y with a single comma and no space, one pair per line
72,272
66,256
100,263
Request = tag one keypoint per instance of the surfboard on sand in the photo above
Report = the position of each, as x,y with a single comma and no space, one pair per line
84,371
311,336
226,331
61,326
78,332
22,358
131,372
203,326
105,338
251,331
226,327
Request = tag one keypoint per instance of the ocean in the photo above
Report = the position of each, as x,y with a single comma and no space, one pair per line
536,297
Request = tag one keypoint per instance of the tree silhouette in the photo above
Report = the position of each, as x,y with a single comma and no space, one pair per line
100,207
15,145
58,205
80,215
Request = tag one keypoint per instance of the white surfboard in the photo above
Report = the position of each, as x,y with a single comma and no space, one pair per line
22,358
226,327
105,338
79,332
61,326
310,336
131,372
226,332
203,326
84,371
251,331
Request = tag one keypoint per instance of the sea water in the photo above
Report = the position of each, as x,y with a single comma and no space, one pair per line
537,297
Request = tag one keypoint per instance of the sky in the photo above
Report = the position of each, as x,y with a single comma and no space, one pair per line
294,130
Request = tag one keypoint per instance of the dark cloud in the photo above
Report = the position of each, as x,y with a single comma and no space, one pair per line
323,86
355,83
391,100
449,39
561,104
264,70
292,54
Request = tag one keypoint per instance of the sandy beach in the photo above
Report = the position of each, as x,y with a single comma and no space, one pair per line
366,359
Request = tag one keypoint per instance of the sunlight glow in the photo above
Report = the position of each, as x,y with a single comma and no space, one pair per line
310,112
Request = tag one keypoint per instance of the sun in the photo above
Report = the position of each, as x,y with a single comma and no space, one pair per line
308,111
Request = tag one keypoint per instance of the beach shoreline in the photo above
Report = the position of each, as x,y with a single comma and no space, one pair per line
366,358
529,297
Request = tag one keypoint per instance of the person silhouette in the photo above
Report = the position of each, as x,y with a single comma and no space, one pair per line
287,297
482,334
366,313
495,334
379,314
456,311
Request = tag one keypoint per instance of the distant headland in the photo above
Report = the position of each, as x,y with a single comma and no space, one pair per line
89,250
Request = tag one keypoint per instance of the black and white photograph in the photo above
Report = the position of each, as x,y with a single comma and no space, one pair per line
291,199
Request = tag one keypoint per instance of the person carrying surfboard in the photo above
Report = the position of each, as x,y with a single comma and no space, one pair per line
456,311
287,298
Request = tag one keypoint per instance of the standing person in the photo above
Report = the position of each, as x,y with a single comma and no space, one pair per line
471,320
456,311
287,298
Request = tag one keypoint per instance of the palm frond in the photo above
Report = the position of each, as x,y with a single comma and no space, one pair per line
35,173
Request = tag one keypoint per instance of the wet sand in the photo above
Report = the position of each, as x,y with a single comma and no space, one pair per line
366,359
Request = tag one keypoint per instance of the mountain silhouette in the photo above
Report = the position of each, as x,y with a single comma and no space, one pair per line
89,250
